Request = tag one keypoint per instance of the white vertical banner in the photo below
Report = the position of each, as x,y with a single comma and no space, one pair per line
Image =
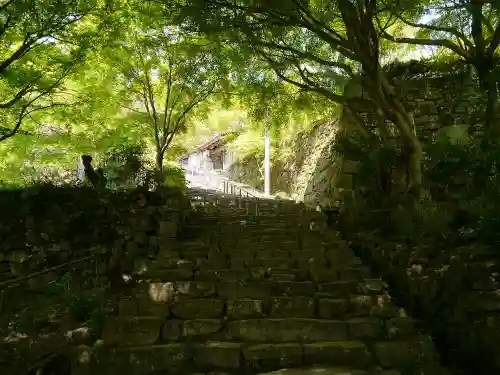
267,158
80,171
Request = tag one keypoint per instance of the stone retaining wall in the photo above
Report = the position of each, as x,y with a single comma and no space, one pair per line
47,226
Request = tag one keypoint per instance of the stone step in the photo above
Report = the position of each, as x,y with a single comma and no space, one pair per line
260,254
248,267
264,299
313,306
132,331
351,357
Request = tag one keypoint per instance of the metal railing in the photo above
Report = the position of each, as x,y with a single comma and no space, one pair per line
211,180
229,187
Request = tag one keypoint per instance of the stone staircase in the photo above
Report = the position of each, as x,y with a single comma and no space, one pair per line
260,286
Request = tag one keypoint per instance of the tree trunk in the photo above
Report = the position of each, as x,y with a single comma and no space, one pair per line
159,167
491,123
381,93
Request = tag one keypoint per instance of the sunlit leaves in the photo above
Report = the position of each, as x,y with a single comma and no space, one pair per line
41,44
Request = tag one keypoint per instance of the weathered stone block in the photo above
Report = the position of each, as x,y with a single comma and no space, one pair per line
400,328
301,274
308,254
258,273
241,274
337,288
332,308
371,286
292,307
310,241
198,308
206,264
146,306
344,353
240,257
206,275
272,356
241,309
216,256
141,360
385,307
195,289
424,350
319,274
172,330
168,229
362,305
303,262
363,328
397,354
196,256
354,273
286,330
168,275
172,263
201,327
271,253
342,258
218,355
315,370
127,307
280,275
241,290
277,262
165,254
131,331
296,288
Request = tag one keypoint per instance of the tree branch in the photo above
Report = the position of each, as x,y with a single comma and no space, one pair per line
495,41
445,43
451,30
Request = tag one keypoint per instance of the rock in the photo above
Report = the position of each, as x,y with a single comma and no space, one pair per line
172,330
293,307
363,328
286,330
195,289
265,356
201,327
218,355
241,290
318,371
17,256
296,288
79,336
341,353
142,360
198,308
400,328
242,309
131,331
395,354
332,308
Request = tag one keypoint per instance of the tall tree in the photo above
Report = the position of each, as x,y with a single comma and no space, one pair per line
316,46
168,75
468,28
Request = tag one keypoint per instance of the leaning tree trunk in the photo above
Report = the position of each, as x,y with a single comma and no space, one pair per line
491,123
382,94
